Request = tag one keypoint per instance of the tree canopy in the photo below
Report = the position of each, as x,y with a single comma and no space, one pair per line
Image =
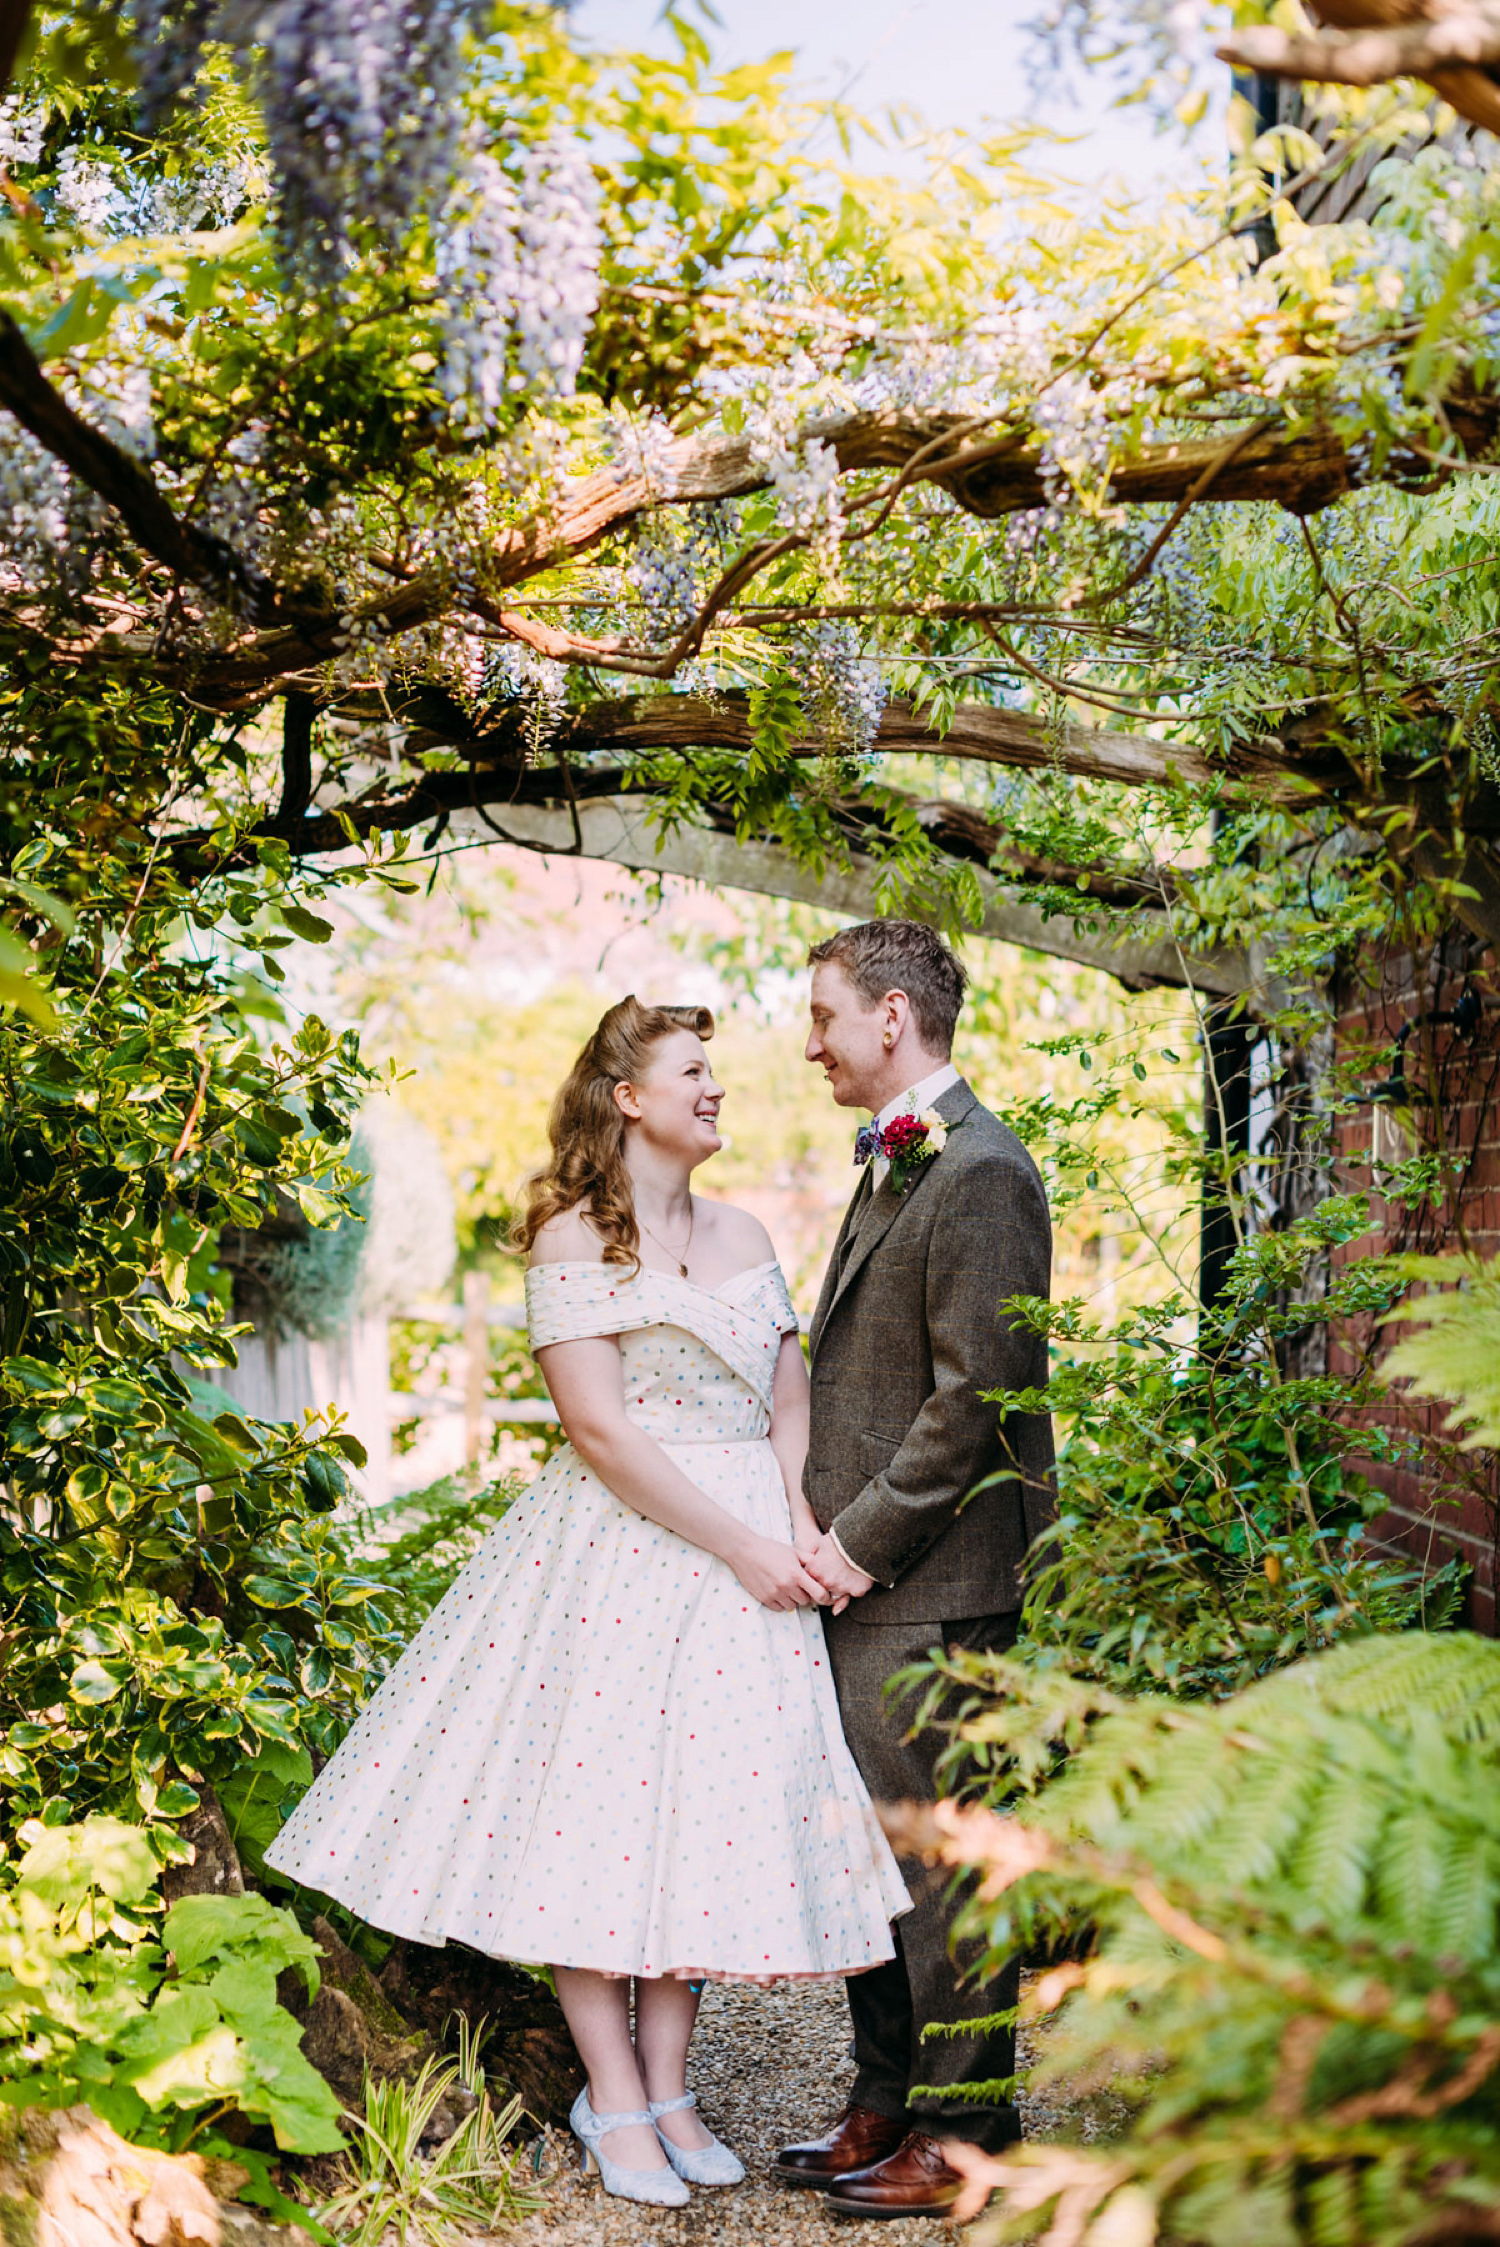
582,427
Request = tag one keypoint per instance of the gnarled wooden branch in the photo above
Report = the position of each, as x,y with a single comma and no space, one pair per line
189,553
14,17
648,724
1302,469
1452,44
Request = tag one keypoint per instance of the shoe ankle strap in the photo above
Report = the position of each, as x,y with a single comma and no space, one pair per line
673,2106
600,2125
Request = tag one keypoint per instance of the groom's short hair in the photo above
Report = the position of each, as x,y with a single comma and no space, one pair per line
881,956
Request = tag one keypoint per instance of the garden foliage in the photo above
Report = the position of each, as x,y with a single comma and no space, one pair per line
172,1590
1214,1502
160,2024
473,2183
1454,1356
342,494
1292,1983
1213,1518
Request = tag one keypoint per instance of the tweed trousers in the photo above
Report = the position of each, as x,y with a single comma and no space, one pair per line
891,2004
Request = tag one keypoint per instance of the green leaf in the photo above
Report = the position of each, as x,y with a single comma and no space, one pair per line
236,1434
95,1682
177,1799
273,1720
32,1376
18,984
186,2056
104,1853
201,1929
303,923
317,1207
275,1591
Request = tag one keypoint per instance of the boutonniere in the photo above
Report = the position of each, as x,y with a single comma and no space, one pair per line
908,1142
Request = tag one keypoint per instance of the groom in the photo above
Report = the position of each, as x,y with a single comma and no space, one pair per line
908,1334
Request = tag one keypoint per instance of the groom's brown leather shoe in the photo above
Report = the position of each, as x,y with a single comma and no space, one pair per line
858,2139
915,2180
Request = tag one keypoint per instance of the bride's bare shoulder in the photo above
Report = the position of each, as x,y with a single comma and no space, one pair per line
741,1235
567,1238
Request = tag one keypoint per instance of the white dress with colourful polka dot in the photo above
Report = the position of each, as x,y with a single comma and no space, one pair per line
600,1750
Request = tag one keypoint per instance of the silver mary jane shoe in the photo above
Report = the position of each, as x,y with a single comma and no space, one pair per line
712,2164
660,2188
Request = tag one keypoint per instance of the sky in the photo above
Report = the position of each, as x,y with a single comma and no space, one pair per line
961,62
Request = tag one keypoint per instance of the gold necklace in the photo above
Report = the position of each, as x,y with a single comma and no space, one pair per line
679,1261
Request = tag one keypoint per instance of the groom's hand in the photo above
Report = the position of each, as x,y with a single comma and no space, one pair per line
839,1578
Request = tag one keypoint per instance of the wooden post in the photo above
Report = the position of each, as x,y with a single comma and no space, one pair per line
476,1364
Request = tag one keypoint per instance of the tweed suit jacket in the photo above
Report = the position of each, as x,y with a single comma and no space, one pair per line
932,1493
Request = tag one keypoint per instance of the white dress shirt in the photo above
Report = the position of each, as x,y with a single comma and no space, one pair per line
913,1103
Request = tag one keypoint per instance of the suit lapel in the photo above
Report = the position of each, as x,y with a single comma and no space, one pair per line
883,1208
858,1203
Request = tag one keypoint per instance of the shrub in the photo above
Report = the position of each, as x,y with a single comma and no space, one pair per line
1212,1511
407,1551
159,2037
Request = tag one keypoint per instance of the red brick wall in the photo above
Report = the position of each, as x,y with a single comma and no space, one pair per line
1445,1501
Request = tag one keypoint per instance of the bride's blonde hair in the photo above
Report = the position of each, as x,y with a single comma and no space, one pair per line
587,1129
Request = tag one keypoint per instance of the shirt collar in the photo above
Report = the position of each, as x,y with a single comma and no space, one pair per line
920,1096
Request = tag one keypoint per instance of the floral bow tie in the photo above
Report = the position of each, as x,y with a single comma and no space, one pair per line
866,1143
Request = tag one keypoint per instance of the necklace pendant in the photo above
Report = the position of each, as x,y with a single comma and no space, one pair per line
682,1271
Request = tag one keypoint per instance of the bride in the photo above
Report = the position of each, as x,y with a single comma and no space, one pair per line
614,1746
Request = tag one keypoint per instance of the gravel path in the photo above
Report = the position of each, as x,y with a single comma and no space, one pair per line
769,2066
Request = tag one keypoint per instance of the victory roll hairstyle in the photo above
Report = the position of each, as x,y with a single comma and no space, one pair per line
881,956
587,1129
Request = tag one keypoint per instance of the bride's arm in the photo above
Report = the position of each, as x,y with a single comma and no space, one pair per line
586,1380
789,1408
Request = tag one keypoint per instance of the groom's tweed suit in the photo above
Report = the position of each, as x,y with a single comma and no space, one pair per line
908,1334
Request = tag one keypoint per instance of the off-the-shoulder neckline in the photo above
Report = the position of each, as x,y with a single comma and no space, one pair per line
671,1279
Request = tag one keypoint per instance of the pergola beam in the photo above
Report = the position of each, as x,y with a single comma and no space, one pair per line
623,831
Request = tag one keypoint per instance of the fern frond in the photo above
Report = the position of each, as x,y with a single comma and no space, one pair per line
1295,1981
988,2024
1456,1357
1000,2091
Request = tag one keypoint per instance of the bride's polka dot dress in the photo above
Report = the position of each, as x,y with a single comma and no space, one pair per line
599,1750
